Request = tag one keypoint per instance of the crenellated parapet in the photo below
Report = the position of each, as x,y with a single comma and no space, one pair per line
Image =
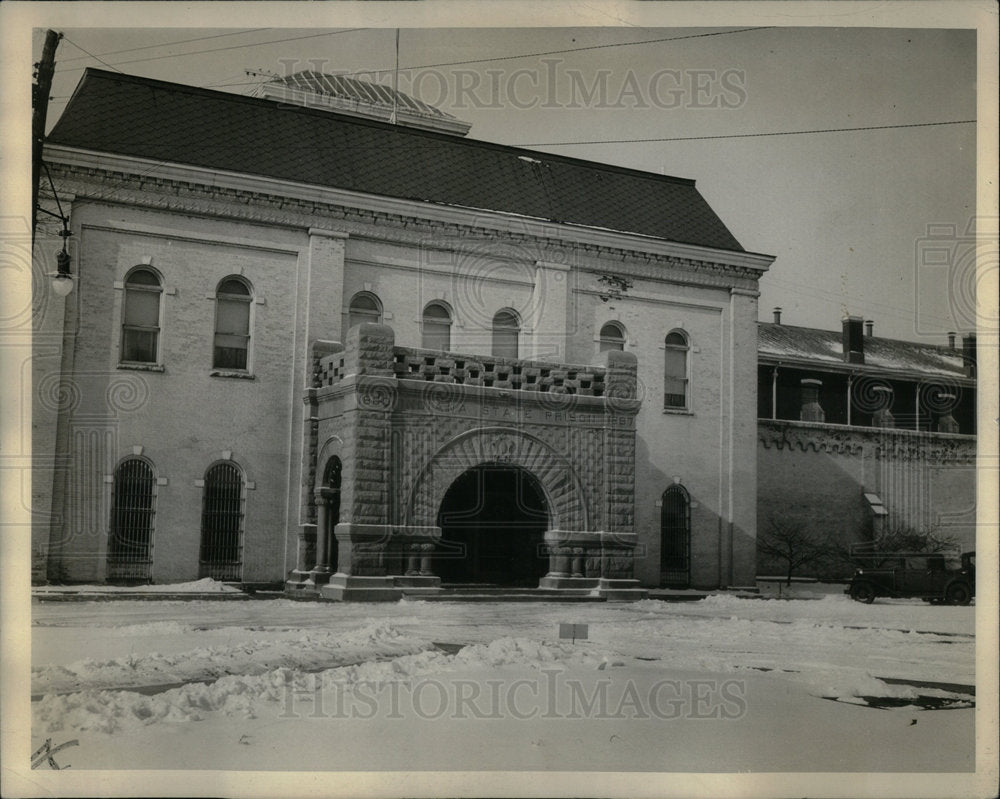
891,443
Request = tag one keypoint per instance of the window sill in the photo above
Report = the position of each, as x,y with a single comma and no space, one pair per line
142,367
679,411
236,375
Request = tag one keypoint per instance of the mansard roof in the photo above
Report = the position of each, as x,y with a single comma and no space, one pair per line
824,348
150,119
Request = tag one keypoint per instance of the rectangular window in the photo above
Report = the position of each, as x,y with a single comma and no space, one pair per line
140,329
232,327
675,382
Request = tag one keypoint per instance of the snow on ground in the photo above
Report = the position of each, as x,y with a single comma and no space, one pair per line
204,586
725,683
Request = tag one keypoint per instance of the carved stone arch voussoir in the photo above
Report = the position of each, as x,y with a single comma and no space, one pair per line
562,487
334,445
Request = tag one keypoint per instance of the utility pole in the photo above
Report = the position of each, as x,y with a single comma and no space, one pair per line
39,109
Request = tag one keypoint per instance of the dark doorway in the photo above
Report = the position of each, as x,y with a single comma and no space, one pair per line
492,521
675,538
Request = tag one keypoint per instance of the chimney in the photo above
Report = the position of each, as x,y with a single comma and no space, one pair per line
969,354
869,327
777,315
854,345
951,339
811,410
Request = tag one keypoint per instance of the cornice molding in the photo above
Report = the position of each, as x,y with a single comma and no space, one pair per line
878,442
314,199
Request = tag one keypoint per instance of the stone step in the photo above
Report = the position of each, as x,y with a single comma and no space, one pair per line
508,595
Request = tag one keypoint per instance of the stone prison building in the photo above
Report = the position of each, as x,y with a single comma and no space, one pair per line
308,347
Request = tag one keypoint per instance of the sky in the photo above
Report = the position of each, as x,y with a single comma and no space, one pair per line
873,222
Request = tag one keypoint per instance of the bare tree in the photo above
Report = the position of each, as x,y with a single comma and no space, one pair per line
790,543
892,542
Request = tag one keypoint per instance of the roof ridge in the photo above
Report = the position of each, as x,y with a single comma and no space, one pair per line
904,341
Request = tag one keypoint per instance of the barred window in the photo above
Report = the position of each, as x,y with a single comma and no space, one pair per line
141,317
612,337
675,370
506,330
222,523
232,324
130,538
436,327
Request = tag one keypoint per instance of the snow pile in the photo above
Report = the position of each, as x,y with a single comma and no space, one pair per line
240,695
297,649
206,585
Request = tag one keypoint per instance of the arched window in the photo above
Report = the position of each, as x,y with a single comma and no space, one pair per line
675,538
506,328
232,324
221,555
130,538
612,337
364,307
436,329
675,370
141,317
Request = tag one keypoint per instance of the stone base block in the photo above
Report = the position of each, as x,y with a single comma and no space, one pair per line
319,578
300,586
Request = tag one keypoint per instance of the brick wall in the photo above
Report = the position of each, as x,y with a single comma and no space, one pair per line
816,476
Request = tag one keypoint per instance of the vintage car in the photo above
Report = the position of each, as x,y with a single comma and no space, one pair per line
928,576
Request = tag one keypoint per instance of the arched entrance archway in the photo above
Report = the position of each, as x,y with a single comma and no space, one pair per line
492,519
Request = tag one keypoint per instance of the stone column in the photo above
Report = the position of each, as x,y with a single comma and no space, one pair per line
413,560
426,558
322,532
559,561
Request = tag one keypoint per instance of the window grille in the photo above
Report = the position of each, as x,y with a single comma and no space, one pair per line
130,539
506,328
612,337
675,538
232,325
222,523
436,333
675,369
141,317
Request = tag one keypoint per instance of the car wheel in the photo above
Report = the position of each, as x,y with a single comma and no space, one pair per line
959,594
863,592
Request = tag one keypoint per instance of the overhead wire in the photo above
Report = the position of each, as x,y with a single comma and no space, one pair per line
748,135
565,50
167,44
220,49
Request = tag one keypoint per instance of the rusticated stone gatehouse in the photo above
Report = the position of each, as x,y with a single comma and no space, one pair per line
403,427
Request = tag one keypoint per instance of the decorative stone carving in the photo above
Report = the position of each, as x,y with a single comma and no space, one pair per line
845,440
